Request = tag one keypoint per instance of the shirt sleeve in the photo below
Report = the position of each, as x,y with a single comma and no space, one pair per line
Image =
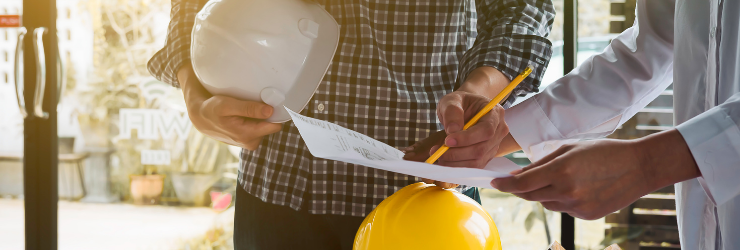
511,35
176,51
605,91
714,140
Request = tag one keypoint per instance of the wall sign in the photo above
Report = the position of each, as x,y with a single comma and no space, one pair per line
9,21
153,124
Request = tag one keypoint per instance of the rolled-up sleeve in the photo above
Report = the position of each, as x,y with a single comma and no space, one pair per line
714,140
511,35
176,51
605,91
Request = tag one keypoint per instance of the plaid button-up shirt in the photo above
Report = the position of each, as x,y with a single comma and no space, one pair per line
396,59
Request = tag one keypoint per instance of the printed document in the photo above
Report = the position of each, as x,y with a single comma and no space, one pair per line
330,141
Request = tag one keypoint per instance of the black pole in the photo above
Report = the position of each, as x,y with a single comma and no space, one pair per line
570,50
40,158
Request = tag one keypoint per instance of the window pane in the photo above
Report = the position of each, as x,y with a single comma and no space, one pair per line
11,140
651,220
520,222
148,175
593,36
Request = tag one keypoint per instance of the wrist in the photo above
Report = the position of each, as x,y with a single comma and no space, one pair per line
485,81
184,74
666,158
508,145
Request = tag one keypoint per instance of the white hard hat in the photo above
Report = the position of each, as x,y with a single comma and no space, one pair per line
275,51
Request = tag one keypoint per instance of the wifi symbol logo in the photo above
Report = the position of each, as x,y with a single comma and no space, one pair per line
152,89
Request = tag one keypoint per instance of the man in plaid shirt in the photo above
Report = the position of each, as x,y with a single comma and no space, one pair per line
395,62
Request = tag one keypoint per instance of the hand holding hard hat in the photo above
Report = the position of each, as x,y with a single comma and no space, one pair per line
273,51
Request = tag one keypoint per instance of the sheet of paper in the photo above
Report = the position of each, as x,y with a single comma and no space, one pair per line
330,141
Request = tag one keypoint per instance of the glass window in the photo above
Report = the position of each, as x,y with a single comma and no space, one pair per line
11,140
133,172
147,171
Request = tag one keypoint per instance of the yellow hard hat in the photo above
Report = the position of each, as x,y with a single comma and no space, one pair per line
424,216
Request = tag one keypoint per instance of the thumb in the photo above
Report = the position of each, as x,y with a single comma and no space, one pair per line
451,113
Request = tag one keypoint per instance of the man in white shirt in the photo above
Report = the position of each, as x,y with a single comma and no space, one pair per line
690,43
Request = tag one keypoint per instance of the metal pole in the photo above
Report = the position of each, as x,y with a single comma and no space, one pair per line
570,50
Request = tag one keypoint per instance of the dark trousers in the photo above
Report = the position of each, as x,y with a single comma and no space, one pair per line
259,225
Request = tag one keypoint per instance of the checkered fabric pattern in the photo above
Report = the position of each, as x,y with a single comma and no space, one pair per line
395,60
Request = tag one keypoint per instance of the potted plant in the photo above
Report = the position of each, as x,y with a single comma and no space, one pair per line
146,189
199,171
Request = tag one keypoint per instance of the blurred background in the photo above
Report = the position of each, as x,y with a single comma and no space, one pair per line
134,174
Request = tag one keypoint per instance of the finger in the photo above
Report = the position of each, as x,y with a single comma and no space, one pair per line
445,185
545,159
483,131
548,193
476,154
452,114
526,181
229,106
243,130
435,138
434,149
439,183
475,103
246,128
264,128
420,150
261,130
416,156
467,153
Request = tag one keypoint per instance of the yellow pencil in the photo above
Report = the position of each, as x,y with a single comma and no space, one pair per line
496,100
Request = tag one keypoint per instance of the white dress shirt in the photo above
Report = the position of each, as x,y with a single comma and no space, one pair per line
690,43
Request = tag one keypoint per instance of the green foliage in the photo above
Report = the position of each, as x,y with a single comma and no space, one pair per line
620,235
529,221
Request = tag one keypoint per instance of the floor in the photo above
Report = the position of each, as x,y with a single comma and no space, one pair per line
112,226
125,226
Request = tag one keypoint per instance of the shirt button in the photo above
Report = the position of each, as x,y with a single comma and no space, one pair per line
321,107
712,32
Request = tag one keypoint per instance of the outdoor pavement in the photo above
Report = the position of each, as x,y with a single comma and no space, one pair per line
112,226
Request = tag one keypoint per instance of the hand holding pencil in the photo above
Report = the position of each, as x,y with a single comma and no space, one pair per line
471,145
496,101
